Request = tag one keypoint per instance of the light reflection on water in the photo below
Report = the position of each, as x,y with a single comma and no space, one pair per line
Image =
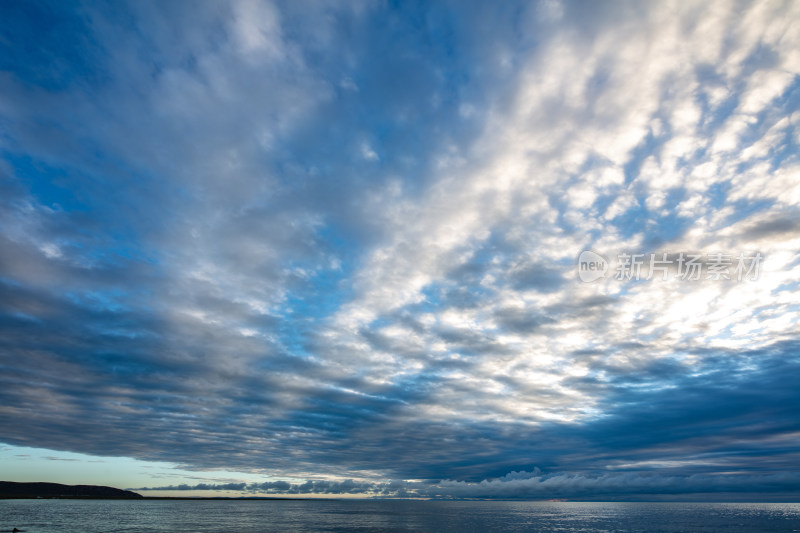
245,516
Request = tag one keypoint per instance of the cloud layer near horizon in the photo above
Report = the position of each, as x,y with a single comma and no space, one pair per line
518,485
340,240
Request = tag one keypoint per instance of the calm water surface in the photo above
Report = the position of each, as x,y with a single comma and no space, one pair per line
95,516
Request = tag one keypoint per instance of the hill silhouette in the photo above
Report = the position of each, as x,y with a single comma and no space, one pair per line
14,490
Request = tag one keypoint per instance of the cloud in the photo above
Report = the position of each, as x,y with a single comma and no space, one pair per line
199,486
339,242
521,485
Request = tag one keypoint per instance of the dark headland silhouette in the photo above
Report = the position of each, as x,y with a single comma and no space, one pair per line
14,490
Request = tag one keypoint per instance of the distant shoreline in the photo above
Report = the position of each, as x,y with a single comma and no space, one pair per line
12,490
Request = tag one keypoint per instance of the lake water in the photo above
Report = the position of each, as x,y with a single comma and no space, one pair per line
95,516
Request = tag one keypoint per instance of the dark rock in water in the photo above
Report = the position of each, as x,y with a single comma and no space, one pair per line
13,490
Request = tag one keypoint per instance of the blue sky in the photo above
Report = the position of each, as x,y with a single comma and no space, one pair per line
331,248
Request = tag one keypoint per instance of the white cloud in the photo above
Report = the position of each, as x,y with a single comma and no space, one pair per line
649,70
453,285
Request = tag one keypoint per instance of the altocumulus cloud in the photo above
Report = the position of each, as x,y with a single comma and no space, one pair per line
338,241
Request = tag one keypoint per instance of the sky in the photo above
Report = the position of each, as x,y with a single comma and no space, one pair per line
524,250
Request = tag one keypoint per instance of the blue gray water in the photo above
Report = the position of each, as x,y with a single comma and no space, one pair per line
96,516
